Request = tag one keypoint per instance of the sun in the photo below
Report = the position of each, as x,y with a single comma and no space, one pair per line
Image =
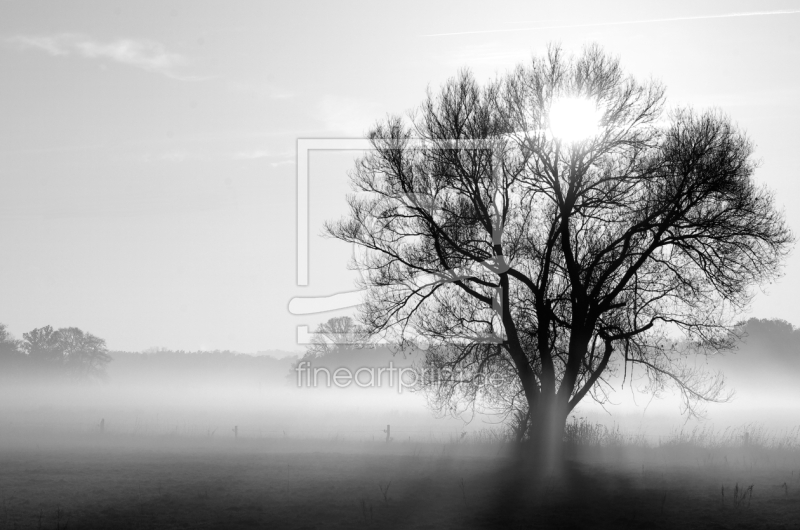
574,119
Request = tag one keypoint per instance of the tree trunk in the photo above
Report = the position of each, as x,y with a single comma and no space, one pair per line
546,436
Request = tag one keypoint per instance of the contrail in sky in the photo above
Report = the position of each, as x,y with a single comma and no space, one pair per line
621,22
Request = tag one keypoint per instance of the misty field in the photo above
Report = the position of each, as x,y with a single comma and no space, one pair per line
229,456
106,480
214,449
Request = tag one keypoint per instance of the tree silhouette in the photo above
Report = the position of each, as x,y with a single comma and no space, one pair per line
556,262
336,333
66,350
11,355
84,355
340,342
42,347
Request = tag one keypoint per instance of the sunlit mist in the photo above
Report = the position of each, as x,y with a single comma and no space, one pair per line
399,265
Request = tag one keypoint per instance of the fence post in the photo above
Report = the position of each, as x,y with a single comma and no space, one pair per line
388,432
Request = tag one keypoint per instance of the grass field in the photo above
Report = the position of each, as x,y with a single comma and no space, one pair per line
92,480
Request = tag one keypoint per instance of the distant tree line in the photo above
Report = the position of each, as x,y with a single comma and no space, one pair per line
69,352
774,343
161,365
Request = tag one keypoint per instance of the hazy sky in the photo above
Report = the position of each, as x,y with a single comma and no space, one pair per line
147,149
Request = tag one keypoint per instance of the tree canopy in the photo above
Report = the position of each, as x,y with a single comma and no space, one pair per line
65,351
557,261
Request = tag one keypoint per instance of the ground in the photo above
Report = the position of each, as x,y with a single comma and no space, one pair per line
96,481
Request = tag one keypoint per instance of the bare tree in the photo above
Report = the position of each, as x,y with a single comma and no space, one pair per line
519,252
335,333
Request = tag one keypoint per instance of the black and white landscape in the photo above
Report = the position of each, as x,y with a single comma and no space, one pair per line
358,265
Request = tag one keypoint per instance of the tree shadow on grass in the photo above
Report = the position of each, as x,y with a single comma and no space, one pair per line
575,496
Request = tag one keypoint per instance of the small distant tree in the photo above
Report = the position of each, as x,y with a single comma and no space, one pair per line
517,250
334,334
42,347
84,354
68,351
12,357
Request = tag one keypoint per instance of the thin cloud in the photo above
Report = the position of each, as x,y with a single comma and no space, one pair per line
261,153
174,156
260,89
252,155
205,155
145,54
621,22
